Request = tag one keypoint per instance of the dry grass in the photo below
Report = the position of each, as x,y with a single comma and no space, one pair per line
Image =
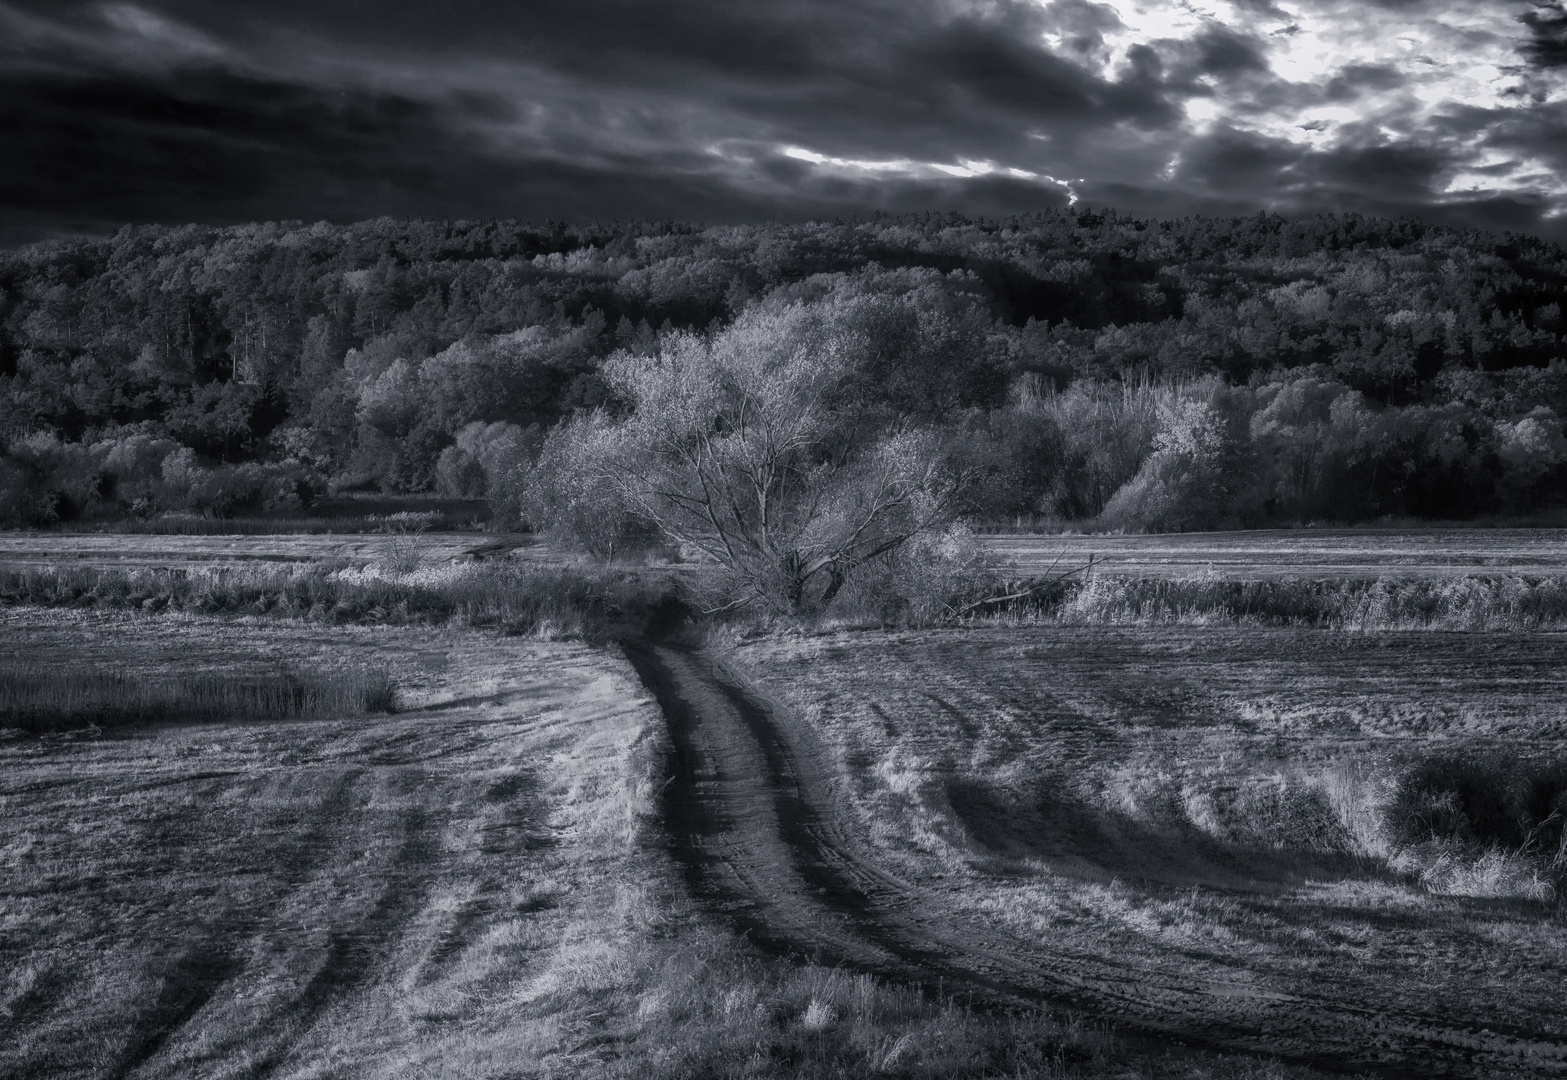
349,515
1471,603
1427,552
520,598
476,886
193,525
37,697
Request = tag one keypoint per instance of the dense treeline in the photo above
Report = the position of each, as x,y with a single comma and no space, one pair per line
1142,374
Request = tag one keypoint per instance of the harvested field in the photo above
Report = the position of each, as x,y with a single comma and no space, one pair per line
29,549
476,886
1312,553
1149,832
412,894
1196,831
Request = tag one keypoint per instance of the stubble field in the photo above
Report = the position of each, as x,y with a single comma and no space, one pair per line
430,892
1211,831
1112,841
1272,554
478,884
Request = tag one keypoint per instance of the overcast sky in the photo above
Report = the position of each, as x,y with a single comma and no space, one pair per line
724,110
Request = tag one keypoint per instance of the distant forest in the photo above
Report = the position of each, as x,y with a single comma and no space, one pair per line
1085,368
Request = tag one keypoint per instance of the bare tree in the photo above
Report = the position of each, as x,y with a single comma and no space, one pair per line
751,449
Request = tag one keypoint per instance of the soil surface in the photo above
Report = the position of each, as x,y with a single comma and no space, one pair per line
759,821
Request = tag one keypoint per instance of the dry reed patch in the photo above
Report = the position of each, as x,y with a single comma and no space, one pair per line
551,603
1364,553
36,697
1465,602
235,548
1207,806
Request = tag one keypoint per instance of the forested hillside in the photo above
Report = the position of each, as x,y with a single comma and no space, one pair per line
1089,367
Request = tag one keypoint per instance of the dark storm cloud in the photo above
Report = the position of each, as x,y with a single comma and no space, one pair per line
223,110
117,112
1548,24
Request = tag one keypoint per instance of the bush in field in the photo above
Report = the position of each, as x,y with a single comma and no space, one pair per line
44,481
226,490
489,461
1107,431
1533,454
1485,802
136,464
928,580
1304,434
1018,458
26,499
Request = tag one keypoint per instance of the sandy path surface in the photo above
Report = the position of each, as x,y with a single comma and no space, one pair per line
759,824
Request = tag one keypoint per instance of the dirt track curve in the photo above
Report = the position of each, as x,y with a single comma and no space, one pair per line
759,826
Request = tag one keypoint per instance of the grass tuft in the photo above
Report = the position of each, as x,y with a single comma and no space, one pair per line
1496,810
41,698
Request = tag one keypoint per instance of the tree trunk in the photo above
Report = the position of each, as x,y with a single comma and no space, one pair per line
837,575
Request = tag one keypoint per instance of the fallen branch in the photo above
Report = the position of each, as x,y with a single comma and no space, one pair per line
1037,587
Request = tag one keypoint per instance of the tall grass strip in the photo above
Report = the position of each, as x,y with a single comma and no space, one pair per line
1509,603
38,698
548,602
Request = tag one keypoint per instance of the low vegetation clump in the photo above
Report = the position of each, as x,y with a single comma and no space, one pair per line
1477,824
712,1010
523,599
37,697
709,1009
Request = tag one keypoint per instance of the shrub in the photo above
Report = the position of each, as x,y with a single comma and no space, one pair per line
1198,476
569,498
926,581
489,460
1487,802
44,481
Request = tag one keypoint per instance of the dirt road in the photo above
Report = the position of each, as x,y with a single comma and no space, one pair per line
760,828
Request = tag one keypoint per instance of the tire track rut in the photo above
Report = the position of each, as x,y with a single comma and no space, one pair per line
758,826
